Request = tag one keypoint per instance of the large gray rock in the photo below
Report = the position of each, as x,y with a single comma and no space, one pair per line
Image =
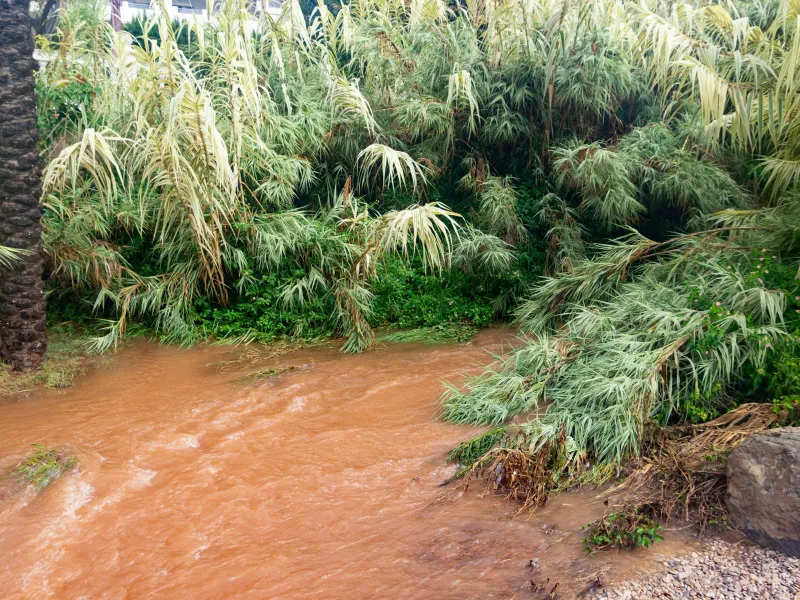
764,489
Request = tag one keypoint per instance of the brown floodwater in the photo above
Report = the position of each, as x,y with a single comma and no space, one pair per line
321,482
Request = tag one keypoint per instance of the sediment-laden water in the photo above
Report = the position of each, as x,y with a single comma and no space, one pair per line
321,482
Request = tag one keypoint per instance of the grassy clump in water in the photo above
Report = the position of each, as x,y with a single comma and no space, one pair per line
67,358
436,334
269,372
43,466
252,356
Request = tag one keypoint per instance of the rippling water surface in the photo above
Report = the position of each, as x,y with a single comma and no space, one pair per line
321,482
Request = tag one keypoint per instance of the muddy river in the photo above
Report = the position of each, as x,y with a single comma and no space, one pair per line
197,481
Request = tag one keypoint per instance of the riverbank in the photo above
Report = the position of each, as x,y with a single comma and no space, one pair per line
67,358
69,355
720,570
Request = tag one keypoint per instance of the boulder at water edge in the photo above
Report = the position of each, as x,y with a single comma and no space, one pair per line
764,489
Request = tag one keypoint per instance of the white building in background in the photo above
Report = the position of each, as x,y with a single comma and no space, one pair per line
188,9
193,10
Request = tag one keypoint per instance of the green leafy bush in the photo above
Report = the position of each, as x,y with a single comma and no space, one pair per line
446,305
789,408
445,332
63,106
778,377
408,297
629,528
260,314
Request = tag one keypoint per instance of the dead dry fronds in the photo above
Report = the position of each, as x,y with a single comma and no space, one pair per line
525,476
682,471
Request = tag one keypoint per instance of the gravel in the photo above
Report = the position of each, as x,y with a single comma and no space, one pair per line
719,571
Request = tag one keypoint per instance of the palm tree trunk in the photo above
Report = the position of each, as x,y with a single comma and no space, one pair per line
116,19
22,306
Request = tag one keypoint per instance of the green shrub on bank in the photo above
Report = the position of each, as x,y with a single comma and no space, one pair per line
406,296
63,105
260,314
629,528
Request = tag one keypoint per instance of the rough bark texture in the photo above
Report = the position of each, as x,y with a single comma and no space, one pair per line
22,307
116,20
764,489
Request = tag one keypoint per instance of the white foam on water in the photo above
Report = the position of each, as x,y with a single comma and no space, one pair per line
80,493
180,442
205,408
138,478
293,387
203,546
53,537
297,404
28,494
184,442
225,419
246,399
142,477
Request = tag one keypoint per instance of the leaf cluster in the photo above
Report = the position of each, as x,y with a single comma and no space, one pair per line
630,528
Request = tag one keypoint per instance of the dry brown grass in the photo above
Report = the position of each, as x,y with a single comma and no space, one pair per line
527,477
682,471
268,372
